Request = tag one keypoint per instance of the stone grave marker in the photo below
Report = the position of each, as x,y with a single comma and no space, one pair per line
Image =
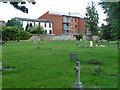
73,56
34,41
108,43
78,84
91,43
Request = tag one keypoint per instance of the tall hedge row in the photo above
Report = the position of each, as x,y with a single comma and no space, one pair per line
13,33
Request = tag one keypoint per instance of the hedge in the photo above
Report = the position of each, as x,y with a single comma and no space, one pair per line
13,33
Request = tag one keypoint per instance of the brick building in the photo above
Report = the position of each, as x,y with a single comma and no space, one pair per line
66,24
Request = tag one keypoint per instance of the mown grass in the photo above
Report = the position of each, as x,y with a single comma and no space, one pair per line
50,66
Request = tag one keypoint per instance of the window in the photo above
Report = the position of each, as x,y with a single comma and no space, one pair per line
39,23
50,32
30,24
71,19
75,19
45,24
75,26
45,31
49,25
71,26
34,23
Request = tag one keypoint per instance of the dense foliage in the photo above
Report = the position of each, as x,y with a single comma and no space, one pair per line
92,18
13,33
15,23
21,5
78,37
112,9
105,29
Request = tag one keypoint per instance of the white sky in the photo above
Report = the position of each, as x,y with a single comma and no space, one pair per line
42,6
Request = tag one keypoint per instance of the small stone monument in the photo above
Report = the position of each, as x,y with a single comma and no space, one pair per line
78,84
34,41
91,43
118,45
108,43
73,56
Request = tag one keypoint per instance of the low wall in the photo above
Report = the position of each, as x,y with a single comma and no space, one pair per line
88,37
52,37
60,37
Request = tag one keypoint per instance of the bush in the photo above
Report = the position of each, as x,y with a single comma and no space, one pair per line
13,33
78,37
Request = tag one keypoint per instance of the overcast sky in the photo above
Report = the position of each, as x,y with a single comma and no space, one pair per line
42,6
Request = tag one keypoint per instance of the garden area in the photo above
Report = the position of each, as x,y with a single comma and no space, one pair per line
49,66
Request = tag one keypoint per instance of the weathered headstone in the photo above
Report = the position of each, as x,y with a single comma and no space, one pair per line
118,45
97,70
76,44
73,56
91,43
78,84
34,41
108,43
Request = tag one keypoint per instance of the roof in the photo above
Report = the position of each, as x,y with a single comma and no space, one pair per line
66,14
34,20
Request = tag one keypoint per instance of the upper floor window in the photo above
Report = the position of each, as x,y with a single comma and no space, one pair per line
71,26
75,26
49,25
75,19
45,24
71,19
39,23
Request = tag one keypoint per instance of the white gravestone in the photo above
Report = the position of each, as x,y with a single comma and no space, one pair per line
80,39
78,84
91,43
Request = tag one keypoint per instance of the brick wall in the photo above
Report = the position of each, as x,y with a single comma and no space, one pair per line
57,22
81,25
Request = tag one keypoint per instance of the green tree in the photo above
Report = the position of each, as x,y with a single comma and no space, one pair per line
21,5
40,31
15,23
105,29
92,18
112,9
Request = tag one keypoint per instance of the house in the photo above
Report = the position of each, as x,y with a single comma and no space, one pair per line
2,22
66,24
46,24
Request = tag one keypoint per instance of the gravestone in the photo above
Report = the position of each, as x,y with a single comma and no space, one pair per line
118,45
80,39
76,44
2,43
73,56
91,43
108,43
34,41
78,84
97,70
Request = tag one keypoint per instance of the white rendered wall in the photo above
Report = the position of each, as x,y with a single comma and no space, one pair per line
37,23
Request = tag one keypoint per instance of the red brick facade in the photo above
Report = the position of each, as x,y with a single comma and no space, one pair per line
76,25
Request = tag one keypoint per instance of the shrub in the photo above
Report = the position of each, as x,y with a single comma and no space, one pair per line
13,33
78,37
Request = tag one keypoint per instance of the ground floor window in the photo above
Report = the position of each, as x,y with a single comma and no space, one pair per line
50,32
45,31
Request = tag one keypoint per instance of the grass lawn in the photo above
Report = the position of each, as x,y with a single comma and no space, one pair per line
50,66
